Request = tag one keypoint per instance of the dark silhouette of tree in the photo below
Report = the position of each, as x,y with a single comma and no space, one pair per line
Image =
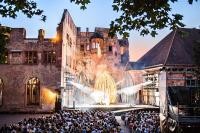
10,8
145,16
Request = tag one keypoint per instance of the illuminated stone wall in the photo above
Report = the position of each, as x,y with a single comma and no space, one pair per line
99,53
88,55
15,79
75,54
17,72
67,33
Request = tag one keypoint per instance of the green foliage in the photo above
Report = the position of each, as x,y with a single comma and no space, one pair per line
10,8
4,39
82,3
145,16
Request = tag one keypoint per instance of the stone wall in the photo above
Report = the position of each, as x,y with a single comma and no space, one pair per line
88,55
17,72
17,35
15,78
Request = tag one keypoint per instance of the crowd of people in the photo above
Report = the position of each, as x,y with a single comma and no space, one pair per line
68,122
139,121
76,121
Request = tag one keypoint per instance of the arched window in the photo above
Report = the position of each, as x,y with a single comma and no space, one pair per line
97,45
110,48
88,47
33,91
93,45
1,91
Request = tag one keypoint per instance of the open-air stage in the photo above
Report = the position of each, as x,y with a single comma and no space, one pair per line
115,108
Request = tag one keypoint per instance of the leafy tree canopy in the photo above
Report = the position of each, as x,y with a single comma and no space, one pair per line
10,8
145,16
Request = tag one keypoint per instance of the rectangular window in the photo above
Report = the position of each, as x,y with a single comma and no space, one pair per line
191,83
174,69
68,60
198,84
88,47
67,37
188,83
70,42
82,48
115,53
180,69
16,54
110,48
97,45
94,45
31,57
49,57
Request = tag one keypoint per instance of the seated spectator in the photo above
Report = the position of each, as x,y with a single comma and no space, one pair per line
141,121
67,122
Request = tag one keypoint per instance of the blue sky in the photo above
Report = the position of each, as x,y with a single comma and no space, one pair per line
99,13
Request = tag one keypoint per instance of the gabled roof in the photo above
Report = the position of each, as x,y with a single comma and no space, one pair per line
175,49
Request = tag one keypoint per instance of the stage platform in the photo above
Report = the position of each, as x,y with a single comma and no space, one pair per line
116,108
136,107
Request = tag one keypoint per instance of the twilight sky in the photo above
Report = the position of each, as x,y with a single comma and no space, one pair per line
99,13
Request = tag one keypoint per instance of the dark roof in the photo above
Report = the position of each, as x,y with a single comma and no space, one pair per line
123,42
175,49
96,35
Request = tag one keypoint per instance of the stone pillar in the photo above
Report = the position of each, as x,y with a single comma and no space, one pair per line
78,31
41,34
87,31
